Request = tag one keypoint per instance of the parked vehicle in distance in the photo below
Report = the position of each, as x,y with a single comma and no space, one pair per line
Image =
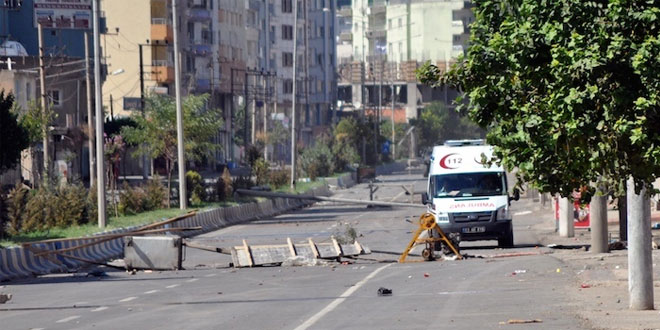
469,199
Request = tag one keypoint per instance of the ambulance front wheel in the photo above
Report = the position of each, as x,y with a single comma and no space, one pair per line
506,241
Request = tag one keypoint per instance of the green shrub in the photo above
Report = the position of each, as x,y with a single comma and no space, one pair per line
260,171
317,161
156,194
3,213
131,200
195,190
279,178
18,198
39,212
69,205
344,154
92,204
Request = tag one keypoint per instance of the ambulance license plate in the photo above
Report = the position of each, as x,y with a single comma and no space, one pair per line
469,230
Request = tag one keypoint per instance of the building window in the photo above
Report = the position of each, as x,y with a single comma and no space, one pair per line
319,59
287,59
457,38
287,6
287,86
389,23
55,97
287,32
400,22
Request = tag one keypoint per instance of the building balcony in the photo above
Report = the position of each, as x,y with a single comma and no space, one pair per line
161,29
376,33
457,27
199,15
201,49
346,36
162,71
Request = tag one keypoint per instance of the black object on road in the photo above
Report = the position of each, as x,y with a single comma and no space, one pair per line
384,291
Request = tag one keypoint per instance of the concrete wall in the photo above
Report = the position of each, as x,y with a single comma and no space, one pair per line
17,262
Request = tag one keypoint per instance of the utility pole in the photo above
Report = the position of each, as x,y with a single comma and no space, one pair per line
293,108
253,115
90,116
393,134
145,157
100,163
640,261
112,109
183,201
246,112
44,103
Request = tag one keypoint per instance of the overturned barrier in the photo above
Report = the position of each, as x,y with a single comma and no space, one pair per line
21,262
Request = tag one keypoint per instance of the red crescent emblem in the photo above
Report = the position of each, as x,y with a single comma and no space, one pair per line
443,163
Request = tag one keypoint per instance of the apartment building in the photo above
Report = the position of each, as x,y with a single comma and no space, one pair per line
388,41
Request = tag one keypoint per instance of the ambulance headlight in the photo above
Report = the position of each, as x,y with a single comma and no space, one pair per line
441,217
503,213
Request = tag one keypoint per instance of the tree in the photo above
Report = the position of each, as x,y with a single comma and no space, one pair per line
155,133
14,137
278,135
569,90
437,124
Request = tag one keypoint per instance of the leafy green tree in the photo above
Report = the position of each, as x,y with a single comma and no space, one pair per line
569,89
437,124
14,137
155,133
278,135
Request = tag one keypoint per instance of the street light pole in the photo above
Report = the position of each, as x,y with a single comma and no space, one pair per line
90,116
100,163
183,201
293,108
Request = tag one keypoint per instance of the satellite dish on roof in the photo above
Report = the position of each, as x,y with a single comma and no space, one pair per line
12,48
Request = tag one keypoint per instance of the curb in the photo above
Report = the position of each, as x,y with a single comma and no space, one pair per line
17,262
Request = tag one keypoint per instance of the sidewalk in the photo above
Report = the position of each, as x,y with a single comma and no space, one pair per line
600,294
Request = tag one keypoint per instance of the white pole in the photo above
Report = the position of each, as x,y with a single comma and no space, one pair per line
90,116
598,218
566,226
183,201
100,163
640,262
293,108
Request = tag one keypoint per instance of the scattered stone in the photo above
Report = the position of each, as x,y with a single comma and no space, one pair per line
618,245
5,297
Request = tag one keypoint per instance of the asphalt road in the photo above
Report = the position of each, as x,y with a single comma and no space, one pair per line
476,293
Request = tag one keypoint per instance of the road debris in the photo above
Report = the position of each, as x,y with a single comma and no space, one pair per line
256,255
5,297
427,275
519,271
585,286
97,273
382,291
618,245
298,261
515,321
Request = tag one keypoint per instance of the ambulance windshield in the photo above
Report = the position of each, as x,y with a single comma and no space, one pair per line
468,184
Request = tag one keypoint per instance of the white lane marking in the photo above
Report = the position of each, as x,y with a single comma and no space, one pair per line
151,291
67,319
102,308
128,299
80,303
210,275
192,280
339,300
172,286
522,212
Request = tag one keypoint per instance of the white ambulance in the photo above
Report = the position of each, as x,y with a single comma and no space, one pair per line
470,200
